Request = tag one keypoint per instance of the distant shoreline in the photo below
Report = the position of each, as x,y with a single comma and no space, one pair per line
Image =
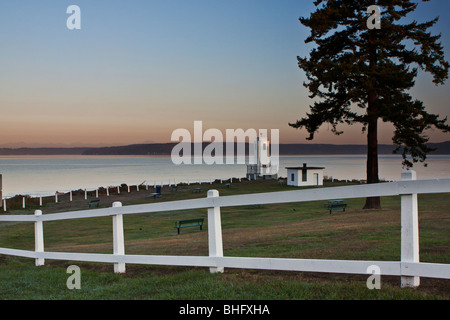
166,148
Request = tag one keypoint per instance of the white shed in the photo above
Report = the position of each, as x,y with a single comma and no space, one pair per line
304,176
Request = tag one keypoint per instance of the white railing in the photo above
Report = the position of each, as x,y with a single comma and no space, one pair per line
3,201
409,268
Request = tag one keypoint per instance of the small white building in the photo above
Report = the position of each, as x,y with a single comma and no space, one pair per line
304,176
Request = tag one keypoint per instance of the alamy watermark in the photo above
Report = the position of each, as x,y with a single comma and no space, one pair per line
74,20
262,151
374,21
74,281
374,281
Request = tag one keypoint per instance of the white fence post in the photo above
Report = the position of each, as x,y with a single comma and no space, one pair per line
119,240
39,238
410,231
215,232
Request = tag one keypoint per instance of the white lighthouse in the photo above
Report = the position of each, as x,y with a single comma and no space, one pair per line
260,161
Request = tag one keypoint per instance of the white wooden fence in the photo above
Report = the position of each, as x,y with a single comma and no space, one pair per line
146,186
409,268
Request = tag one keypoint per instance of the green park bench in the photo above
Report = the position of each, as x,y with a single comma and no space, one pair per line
94,203
335,204
189,223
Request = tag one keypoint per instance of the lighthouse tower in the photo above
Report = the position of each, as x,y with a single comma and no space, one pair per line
260,163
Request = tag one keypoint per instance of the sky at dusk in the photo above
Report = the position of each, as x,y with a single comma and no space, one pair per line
137,70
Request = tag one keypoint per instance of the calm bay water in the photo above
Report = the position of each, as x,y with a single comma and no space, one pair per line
47,174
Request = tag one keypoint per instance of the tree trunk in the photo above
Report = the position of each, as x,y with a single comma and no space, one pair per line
372,127
372,162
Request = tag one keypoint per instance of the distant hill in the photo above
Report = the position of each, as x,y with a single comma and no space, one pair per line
41,151
316,149
166,149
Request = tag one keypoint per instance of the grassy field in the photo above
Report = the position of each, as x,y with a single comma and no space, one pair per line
294,230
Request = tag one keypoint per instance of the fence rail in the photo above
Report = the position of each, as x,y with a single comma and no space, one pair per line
409,268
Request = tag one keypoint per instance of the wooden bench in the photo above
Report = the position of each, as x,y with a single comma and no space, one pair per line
335,204
94,203
189,223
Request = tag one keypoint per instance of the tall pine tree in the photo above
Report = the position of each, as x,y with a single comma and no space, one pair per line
360,75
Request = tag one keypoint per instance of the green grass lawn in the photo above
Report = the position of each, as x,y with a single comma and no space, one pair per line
295,230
